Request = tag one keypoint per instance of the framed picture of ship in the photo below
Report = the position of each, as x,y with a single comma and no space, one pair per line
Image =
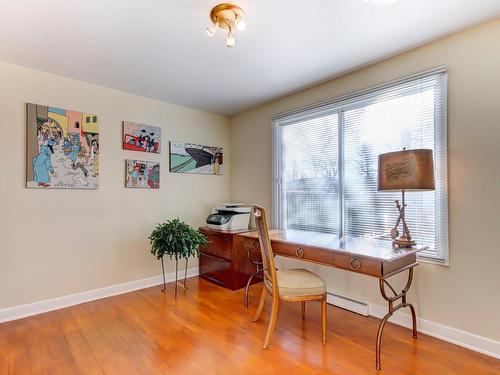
138,137
142,174
195,158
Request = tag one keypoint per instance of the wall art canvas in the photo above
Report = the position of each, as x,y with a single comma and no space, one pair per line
195,158
138,137
142,174
62,148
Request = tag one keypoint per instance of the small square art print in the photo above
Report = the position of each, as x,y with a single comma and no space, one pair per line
142,174
195,158
138,137
62,148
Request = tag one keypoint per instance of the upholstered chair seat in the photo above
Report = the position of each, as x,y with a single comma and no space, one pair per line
298,283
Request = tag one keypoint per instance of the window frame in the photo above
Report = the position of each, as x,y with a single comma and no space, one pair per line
349,101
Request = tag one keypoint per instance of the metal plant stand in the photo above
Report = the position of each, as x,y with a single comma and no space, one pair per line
163,272
183,285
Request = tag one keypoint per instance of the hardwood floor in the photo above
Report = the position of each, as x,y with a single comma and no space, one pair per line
208,331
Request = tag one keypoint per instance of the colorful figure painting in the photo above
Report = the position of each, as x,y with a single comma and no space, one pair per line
142,174
194,158
137,137
62,148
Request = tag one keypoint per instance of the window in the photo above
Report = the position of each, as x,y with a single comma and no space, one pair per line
87,119
94,119
325,162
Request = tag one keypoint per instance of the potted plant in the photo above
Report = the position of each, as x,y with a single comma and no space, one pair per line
178,240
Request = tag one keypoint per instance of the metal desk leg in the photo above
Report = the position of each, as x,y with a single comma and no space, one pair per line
247,288
392,309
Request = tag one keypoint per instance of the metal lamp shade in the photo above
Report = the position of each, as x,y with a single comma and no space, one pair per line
406,170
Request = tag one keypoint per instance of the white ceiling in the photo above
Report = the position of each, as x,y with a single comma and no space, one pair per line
159,49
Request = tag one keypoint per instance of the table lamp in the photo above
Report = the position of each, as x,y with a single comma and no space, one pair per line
407,170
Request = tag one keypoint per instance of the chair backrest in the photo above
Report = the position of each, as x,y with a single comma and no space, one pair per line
269,266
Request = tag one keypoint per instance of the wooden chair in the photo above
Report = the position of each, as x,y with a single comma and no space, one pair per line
296,285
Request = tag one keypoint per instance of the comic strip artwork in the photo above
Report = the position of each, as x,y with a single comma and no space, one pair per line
62,148
195,158
142,174
138,137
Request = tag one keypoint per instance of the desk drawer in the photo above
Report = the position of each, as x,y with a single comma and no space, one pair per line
216,269
252,244
252,249
357,264
219,244
300,252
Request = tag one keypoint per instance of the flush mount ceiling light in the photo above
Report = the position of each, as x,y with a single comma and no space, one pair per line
381,2
228,17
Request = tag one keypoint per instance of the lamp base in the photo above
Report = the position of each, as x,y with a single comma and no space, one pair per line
403,241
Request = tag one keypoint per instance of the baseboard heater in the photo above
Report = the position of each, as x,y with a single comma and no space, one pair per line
347,303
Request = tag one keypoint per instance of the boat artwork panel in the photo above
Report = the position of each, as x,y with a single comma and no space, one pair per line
138,137
62,148
195,158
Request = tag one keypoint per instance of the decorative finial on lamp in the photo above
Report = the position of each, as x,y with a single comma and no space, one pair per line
407,170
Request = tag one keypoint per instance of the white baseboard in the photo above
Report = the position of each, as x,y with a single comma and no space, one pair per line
452,335
347,303
35,308
455,336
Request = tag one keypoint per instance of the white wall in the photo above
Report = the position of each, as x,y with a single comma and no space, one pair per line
464,295
58,242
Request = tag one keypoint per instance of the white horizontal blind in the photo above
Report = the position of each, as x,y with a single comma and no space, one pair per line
327,163
397,117
309,177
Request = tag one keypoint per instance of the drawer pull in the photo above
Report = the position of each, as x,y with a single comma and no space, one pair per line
299,252
256,244
355,264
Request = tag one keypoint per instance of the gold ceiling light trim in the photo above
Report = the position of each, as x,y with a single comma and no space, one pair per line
229,17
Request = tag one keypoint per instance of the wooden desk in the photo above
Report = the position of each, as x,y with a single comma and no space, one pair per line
370,257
